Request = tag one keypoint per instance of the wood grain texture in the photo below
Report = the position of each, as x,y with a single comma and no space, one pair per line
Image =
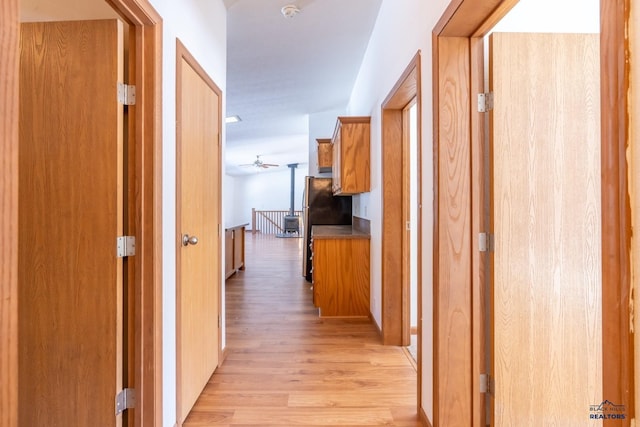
285,366
634,135
392,226
228,253
395,199
238,248
147,35
9,60
618,345
71,211
352,155
545,130
480,222
341,269
452,300
325,154
199,275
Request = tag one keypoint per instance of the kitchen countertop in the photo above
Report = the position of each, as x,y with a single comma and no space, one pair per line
337,232
236,226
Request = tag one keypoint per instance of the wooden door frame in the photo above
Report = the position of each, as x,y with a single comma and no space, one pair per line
182,53
395,178
9,61
460,72
146,215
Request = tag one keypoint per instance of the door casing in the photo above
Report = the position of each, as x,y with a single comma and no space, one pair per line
395,244
458,37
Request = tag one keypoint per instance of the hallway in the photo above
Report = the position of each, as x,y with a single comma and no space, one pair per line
285,366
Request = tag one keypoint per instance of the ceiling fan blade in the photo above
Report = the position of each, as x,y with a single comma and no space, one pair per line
269,165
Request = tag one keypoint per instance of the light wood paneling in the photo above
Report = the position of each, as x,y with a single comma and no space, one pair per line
285,366
9,59
545,130
71,211
199,274
452,300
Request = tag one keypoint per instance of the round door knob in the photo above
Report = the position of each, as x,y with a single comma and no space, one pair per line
189,240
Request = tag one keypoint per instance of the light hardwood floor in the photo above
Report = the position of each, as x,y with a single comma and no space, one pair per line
285,366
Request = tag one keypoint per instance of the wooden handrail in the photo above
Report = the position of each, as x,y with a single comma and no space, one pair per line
269,221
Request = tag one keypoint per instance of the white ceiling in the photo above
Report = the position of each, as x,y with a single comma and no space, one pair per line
280,70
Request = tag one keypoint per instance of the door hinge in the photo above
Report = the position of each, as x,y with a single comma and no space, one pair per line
485,102
125,246
487,384
126,94
485,242
126,399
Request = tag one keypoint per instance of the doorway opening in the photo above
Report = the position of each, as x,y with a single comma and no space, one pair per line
458,78
401,248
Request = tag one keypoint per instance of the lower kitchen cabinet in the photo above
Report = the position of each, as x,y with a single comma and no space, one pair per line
234,249
341,268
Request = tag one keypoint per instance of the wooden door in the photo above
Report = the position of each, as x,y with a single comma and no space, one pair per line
199,274
71,212
547,297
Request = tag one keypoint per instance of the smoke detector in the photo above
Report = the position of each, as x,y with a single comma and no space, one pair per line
290,10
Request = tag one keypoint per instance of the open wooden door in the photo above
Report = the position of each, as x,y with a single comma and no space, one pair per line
199,229
546,214
71,213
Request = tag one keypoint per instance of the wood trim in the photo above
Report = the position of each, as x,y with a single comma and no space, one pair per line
480,197
617,344
452,336
395,178
9,46
403,92
392,226
146,30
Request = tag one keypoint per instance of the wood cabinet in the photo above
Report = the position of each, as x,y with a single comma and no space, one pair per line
234,249
351,153
341,274
325,155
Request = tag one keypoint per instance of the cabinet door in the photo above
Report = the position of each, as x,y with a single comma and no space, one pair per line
228,253
325,155
341,277
336,171
238,249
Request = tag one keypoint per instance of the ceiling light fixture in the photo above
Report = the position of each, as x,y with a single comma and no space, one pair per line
232,119
290,10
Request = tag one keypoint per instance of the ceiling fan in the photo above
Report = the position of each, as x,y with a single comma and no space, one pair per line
258,163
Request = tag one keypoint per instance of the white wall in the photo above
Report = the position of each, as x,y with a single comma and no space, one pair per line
552,16
403,28
201,25
265,190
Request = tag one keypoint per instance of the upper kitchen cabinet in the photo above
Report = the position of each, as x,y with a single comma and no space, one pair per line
325,155
351,155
